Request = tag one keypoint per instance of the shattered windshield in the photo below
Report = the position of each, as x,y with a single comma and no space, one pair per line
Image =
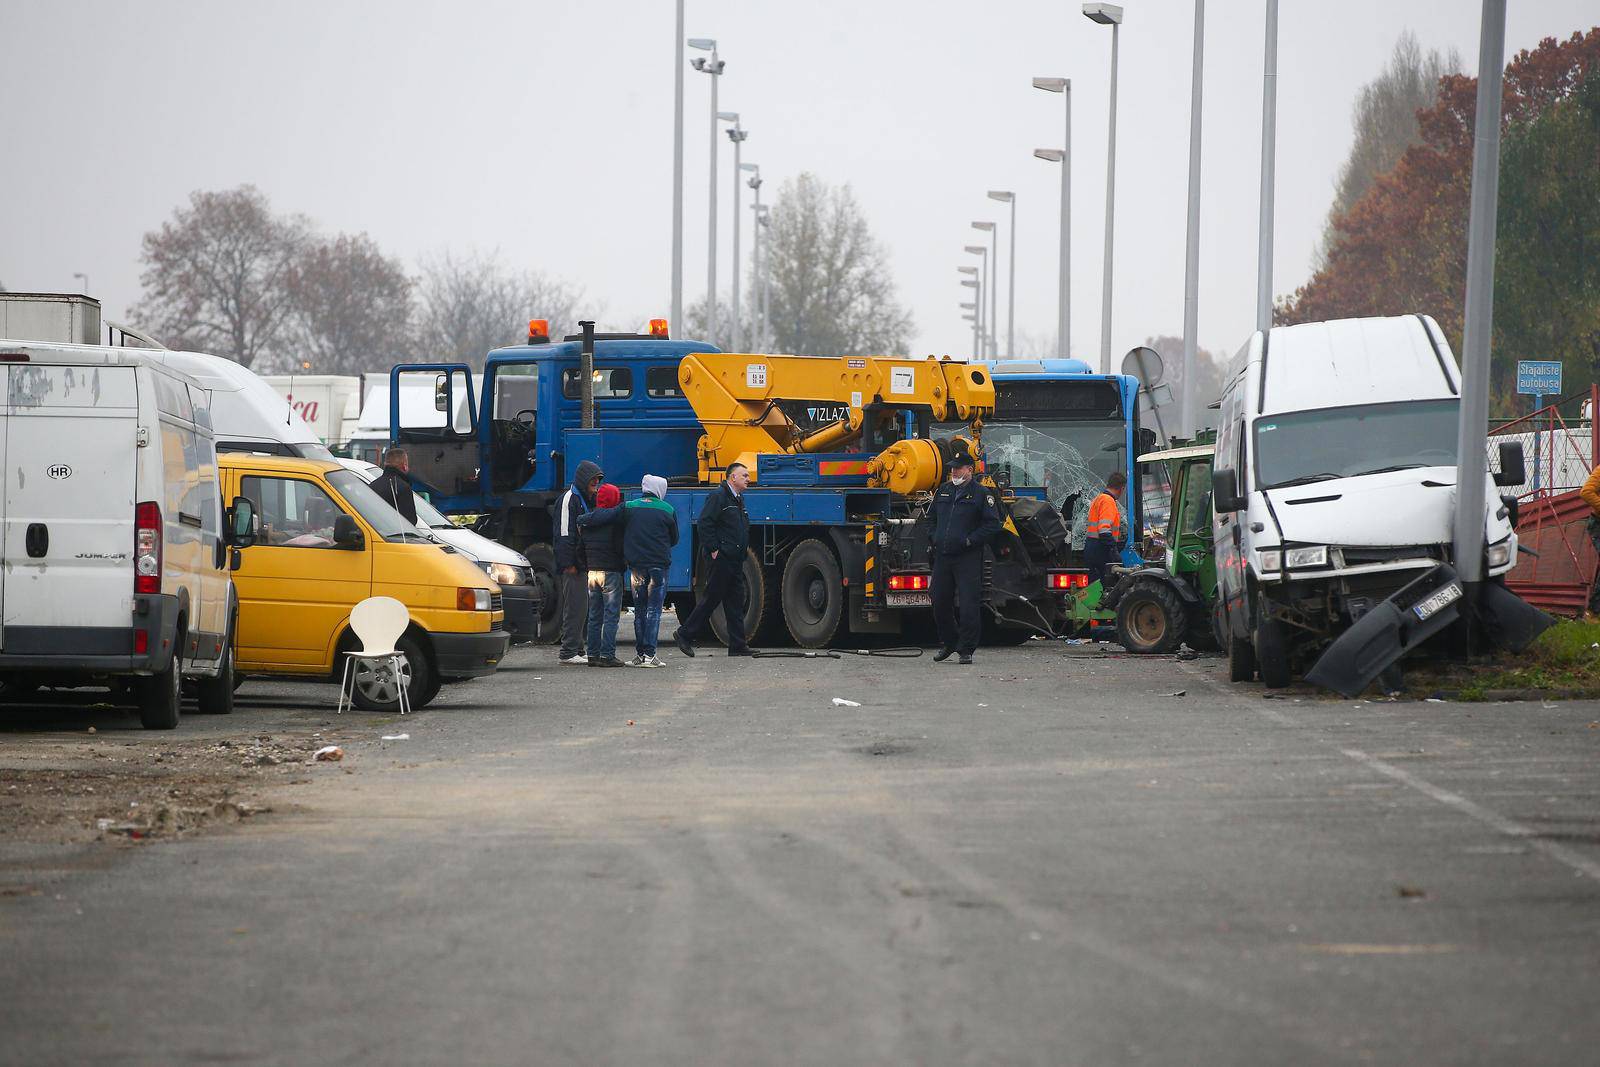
1068,459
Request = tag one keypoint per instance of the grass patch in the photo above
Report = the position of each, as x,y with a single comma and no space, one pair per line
1564,657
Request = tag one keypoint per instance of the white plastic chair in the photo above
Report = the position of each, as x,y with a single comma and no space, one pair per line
378,622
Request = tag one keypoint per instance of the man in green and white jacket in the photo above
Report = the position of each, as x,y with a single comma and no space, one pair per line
650,530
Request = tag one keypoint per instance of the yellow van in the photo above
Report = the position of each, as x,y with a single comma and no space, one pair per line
326,543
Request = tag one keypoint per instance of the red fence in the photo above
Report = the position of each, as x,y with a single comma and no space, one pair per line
1553,521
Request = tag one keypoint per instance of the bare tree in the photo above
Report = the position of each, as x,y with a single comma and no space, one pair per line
350,310
830,289
1385,120
469,305
216,274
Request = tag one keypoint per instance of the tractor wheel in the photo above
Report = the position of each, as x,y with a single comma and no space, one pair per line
1151,619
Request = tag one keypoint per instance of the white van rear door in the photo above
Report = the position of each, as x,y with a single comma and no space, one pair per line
70,456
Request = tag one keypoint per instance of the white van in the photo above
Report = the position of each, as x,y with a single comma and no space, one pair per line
1334,492
250,415
116,554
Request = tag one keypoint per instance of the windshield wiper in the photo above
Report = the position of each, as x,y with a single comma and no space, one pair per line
1305,480
1391,470
405,537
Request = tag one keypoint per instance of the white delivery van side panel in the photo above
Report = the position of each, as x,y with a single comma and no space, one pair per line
70,460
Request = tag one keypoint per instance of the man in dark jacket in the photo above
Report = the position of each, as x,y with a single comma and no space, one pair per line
725,538
571,567
965,519
649,532
393,486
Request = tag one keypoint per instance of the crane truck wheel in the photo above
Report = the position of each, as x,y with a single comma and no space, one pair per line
542,561
755,608
813,594
1151,619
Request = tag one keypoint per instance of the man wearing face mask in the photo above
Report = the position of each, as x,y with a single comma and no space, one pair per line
965,519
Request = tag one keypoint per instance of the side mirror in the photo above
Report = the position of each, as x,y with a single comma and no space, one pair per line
1225,492
1147,439
441,393
242,522
346,534
1513,468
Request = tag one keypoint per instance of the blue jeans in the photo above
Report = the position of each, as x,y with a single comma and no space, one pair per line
649,593
605,608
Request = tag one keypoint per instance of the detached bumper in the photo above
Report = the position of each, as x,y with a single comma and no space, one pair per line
469,655
522,611
144,646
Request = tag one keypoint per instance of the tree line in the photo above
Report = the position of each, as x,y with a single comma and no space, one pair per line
227,274
1396,240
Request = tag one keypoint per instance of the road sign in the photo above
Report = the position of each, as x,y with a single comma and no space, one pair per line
1539,377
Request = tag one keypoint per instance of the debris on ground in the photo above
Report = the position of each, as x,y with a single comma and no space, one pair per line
630,722
328,754
396,737
1410,892
841,702
1179,693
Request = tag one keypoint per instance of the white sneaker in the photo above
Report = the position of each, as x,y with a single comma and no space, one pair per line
580,660
655,661
638,661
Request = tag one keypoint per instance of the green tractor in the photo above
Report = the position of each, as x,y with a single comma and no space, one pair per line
1160,606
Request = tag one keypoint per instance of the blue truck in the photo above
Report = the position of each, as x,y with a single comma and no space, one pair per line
830,553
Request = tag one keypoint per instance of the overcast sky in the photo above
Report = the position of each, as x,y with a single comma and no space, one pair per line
543,129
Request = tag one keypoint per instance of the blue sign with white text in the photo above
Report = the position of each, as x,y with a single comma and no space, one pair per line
1539,377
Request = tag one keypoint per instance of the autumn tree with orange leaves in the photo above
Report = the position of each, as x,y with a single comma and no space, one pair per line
1402,247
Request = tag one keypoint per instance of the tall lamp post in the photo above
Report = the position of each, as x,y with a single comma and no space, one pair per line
972,282
714,67
737,135
985,282
677,172
992,267
1108,15
85,278
754,183
1191,262
1011,273
763,224
1269,133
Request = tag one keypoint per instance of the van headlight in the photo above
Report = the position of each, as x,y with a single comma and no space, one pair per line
1499,554
1312,556
1271,560
505,574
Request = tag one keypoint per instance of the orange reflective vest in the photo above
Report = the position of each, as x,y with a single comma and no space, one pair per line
1591,491
1104,519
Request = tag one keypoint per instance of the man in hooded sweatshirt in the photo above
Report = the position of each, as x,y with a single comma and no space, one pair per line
571,567
649,532
602,548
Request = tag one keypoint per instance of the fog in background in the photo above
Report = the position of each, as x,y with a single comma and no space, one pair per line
544,130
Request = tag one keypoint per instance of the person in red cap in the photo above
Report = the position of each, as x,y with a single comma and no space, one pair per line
602,548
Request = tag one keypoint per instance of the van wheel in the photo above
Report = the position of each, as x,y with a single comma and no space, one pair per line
214,696
1151,619
1241,657
161,695
377,684
1272,654
542,561
813,594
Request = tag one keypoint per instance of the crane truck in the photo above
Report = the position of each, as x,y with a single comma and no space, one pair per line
841,449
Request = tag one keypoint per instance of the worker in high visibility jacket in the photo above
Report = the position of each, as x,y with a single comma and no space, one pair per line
1103,538
1591,496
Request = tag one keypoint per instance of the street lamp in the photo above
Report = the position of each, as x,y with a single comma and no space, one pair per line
1011,273
1064,273
677,171
1269,133
1108,15
985,279
764,223
754,183
977,318
85,278
738,136
1191,264
714,67
994,258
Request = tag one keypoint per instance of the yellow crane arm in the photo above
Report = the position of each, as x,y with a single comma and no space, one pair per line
738,399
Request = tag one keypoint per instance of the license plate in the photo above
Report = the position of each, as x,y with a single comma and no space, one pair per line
1442,599
911,600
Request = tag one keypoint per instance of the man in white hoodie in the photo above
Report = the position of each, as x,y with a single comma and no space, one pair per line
650,530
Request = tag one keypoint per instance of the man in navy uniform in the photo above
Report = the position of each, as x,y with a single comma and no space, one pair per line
965,519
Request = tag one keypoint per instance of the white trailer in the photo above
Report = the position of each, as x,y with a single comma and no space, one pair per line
329,403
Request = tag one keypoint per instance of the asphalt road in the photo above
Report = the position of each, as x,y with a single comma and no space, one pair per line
1051,857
